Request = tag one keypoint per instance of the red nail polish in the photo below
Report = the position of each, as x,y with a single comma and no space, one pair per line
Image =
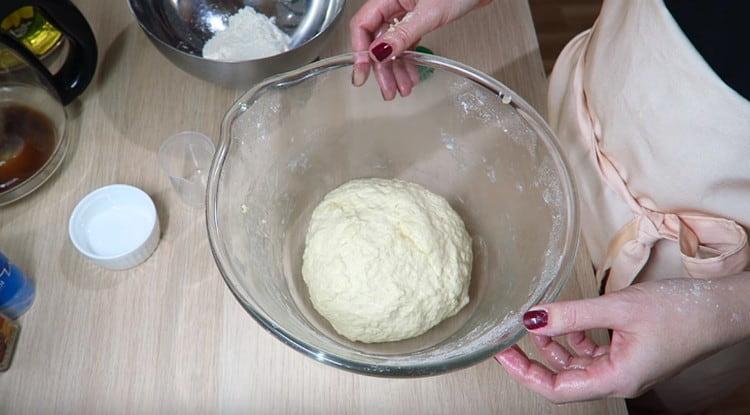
535,319
382,51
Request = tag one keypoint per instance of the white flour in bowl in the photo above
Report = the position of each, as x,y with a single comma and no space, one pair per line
249,35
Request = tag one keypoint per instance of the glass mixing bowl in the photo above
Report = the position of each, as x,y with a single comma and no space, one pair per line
293,138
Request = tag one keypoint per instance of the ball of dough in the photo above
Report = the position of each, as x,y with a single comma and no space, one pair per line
386,260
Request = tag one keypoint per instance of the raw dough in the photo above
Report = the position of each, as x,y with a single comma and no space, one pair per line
386,260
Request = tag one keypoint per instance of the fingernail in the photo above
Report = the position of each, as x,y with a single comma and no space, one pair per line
358,78
535,319
382,51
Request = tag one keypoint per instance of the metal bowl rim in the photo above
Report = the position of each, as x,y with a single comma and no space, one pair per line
151,34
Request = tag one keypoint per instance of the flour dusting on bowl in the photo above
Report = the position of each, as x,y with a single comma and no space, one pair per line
289,141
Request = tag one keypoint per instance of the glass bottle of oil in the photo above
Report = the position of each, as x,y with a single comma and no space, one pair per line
29,27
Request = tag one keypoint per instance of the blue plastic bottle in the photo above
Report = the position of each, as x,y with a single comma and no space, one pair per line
16,290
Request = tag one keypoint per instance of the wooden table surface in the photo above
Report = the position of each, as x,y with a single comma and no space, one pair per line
167,336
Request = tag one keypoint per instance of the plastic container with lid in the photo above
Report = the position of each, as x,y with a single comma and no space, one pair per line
17,291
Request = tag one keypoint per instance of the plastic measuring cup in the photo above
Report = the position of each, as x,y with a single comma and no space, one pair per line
186,157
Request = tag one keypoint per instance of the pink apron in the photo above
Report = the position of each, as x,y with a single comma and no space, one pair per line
659,146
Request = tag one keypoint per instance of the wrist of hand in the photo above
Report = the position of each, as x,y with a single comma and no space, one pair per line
731,302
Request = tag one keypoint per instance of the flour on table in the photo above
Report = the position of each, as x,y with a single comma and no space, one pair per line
249,35
386,260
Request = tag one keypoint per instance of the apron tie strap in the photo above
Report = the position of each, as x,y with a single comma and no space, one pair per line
709,247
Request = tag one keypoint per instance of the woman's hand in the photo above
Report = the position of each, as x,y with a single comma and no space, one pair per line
373,29
658,328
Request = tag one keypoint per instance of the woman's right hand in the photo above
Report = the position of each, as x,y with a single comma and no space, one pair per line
371,30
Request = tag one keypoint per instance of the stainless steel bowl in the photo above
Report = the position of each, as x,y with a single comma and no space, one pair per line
180,28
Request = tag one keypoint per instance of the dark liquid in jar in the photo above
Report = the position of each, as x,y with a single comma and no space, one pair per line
27,139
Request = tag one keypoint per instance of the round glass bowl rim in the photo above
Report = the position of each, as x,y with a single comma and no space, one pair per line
51,165
547,294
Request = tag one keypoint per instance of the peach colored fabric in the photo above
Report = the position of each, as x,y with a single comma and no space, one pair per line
617,101
659,148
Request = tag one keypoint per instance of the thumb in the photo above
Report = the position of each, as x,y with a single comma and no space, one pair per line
564,317
401,35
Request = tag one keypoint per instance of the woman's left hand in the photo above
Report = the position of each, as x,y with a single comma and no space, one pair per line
658,328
